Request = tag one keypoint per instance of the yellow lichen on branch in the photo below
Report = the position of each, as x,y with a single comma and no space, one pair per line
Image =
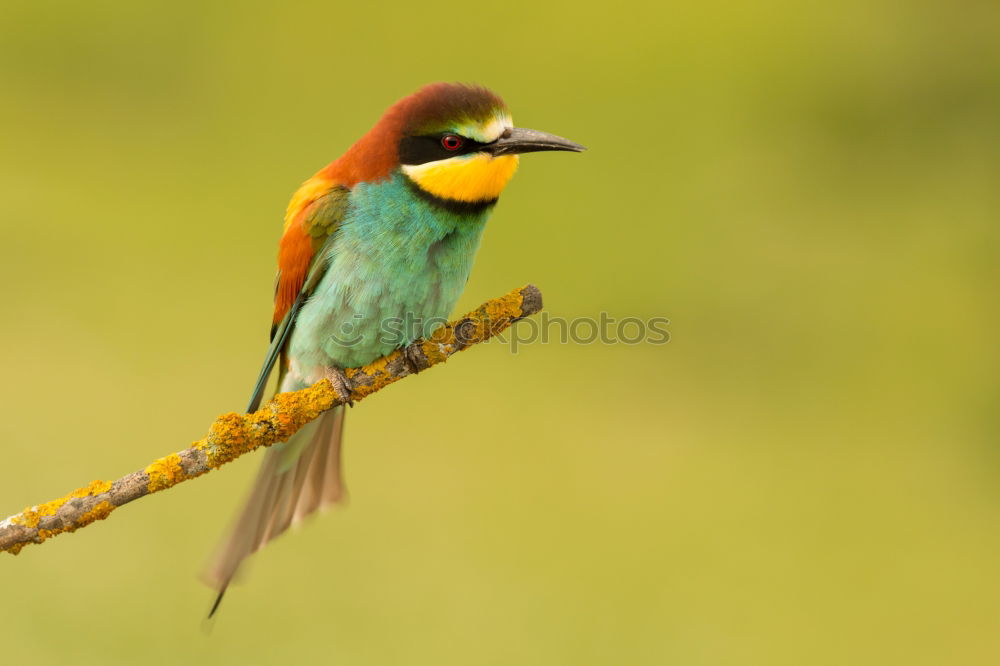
31,516
233,435
164,473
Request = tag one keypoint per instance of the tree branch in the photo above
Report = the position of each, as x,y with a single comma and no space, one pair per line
233,435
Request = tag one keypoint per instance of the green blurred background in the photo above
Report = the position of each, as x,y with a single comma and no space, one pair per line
807,473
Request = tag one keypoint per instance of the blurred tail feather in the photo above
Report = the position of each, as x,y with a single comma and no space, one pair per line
296,479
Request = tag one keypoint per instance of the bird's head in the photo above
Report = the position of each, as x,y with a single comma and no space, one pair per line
454,142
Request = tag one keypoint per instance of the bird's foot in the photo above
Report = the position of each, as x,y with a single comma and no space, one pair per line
341,384
414,358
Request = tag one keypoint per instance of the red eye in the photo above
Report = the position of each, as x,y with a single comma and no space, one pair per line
451,142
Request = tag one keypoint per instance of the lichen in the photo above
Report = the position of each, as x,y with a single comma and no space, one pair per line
99,512
377,375
164,473
234,434
31,516
493,316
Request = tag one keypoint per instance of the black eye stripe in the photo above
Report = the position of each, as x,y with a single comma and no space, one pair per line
428,148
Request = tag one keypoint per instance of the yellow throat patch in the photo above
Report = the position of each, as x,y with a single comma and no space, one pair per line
470,178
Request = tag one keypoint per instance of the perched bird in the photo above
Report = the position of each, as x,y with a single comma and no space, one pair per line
386,233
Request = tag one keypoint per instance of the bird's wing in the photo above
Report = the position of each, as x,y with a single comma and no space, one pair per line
314,214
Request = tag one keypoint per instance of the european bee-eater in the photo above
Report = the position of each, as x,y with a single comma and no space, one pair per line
387,232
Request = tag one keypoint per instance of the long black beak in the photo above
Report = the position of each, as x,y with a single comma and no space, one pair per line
517,140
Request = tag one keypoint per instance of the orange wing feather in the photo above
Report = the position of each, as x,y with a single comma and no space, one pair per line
298,245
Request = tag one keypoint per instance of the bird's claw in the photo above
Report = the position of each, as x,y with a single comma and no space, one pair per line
341,384
414,358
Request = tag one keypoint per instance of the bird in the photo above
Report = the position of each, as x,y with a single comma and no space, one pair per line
386,233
